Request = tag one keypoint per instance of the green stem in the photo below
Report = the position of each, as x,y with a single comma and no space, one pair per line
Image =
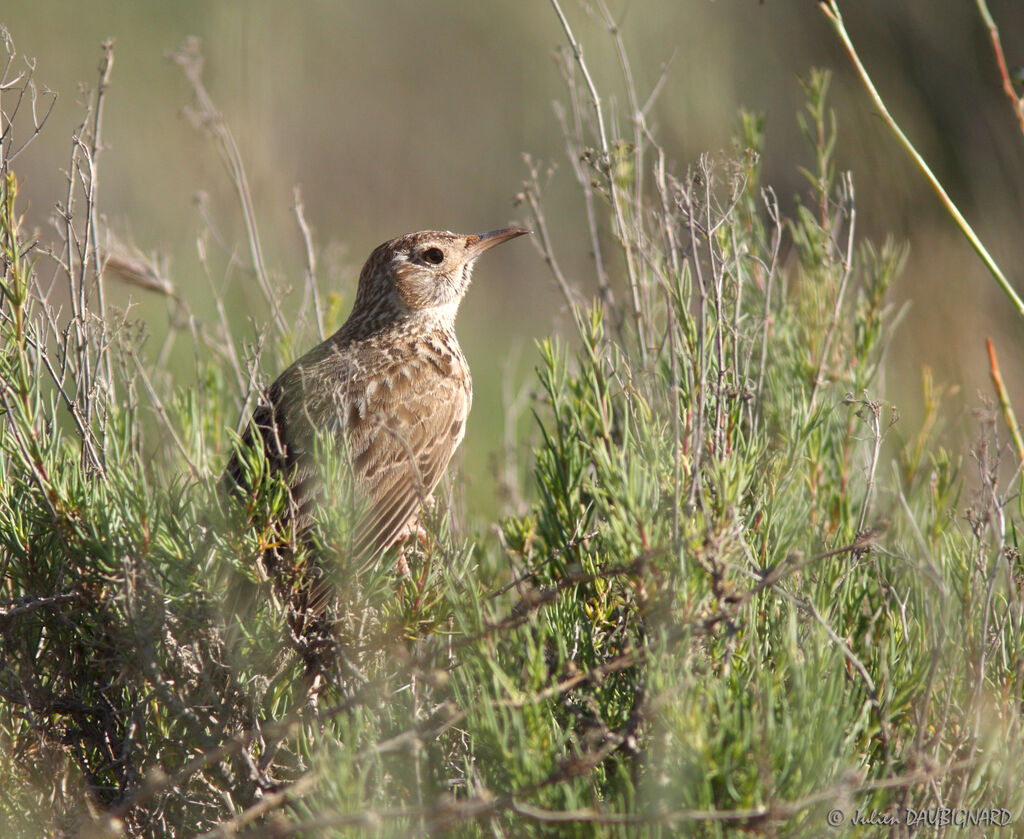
831,10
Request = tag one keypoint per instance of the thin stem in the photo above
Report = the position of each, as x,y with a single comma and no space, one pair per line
1004,72
574,145
831,11
605,165
771,203
91,239
531,193
1004,401
161,412
847,261
191,64
311,286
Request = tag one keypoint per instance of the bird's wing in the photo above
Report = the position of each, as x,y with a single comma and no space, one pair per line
413,421
286,438
399,424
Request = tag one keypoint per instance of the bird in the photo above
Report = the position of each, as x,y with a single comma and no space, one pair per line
390,391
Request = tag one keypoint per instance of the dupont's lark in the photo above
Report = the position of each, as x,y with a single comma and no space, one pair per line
391,388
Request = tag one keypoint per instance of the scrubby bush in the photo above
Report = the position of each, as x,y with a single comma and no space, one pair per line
741,595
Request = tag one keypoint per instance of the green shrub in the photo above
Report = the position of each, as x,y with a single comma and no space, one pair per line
735,603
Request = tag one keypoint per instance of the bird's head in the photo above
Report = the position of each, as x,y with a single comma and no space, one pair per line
425,272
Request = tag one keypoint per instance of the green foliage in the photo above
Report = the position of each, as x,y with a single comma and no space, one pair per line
729,608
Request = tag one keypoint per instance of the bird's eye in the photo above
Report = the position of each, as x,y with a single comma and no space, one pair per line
435,256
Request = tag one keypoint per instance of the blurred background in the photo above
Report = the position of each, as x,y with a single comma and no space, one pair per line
398,116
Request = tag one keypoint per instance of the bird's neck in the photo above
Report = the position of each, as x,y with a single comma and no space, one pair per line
383,316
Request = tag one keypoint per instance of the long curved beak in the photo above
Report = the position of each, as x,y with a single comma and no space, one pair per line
485,241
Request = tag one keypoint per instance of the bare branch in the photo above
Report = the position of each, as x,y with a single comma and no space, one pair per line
312,291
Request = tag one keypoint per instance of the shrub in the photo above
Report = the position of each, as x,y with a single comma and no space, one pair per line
734,603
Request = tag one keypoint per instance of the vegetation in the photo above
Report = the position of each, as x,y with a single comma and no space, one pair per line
736,602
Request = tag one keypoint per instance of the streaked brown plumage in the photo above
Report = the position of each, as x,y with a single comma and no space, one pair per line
391,387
